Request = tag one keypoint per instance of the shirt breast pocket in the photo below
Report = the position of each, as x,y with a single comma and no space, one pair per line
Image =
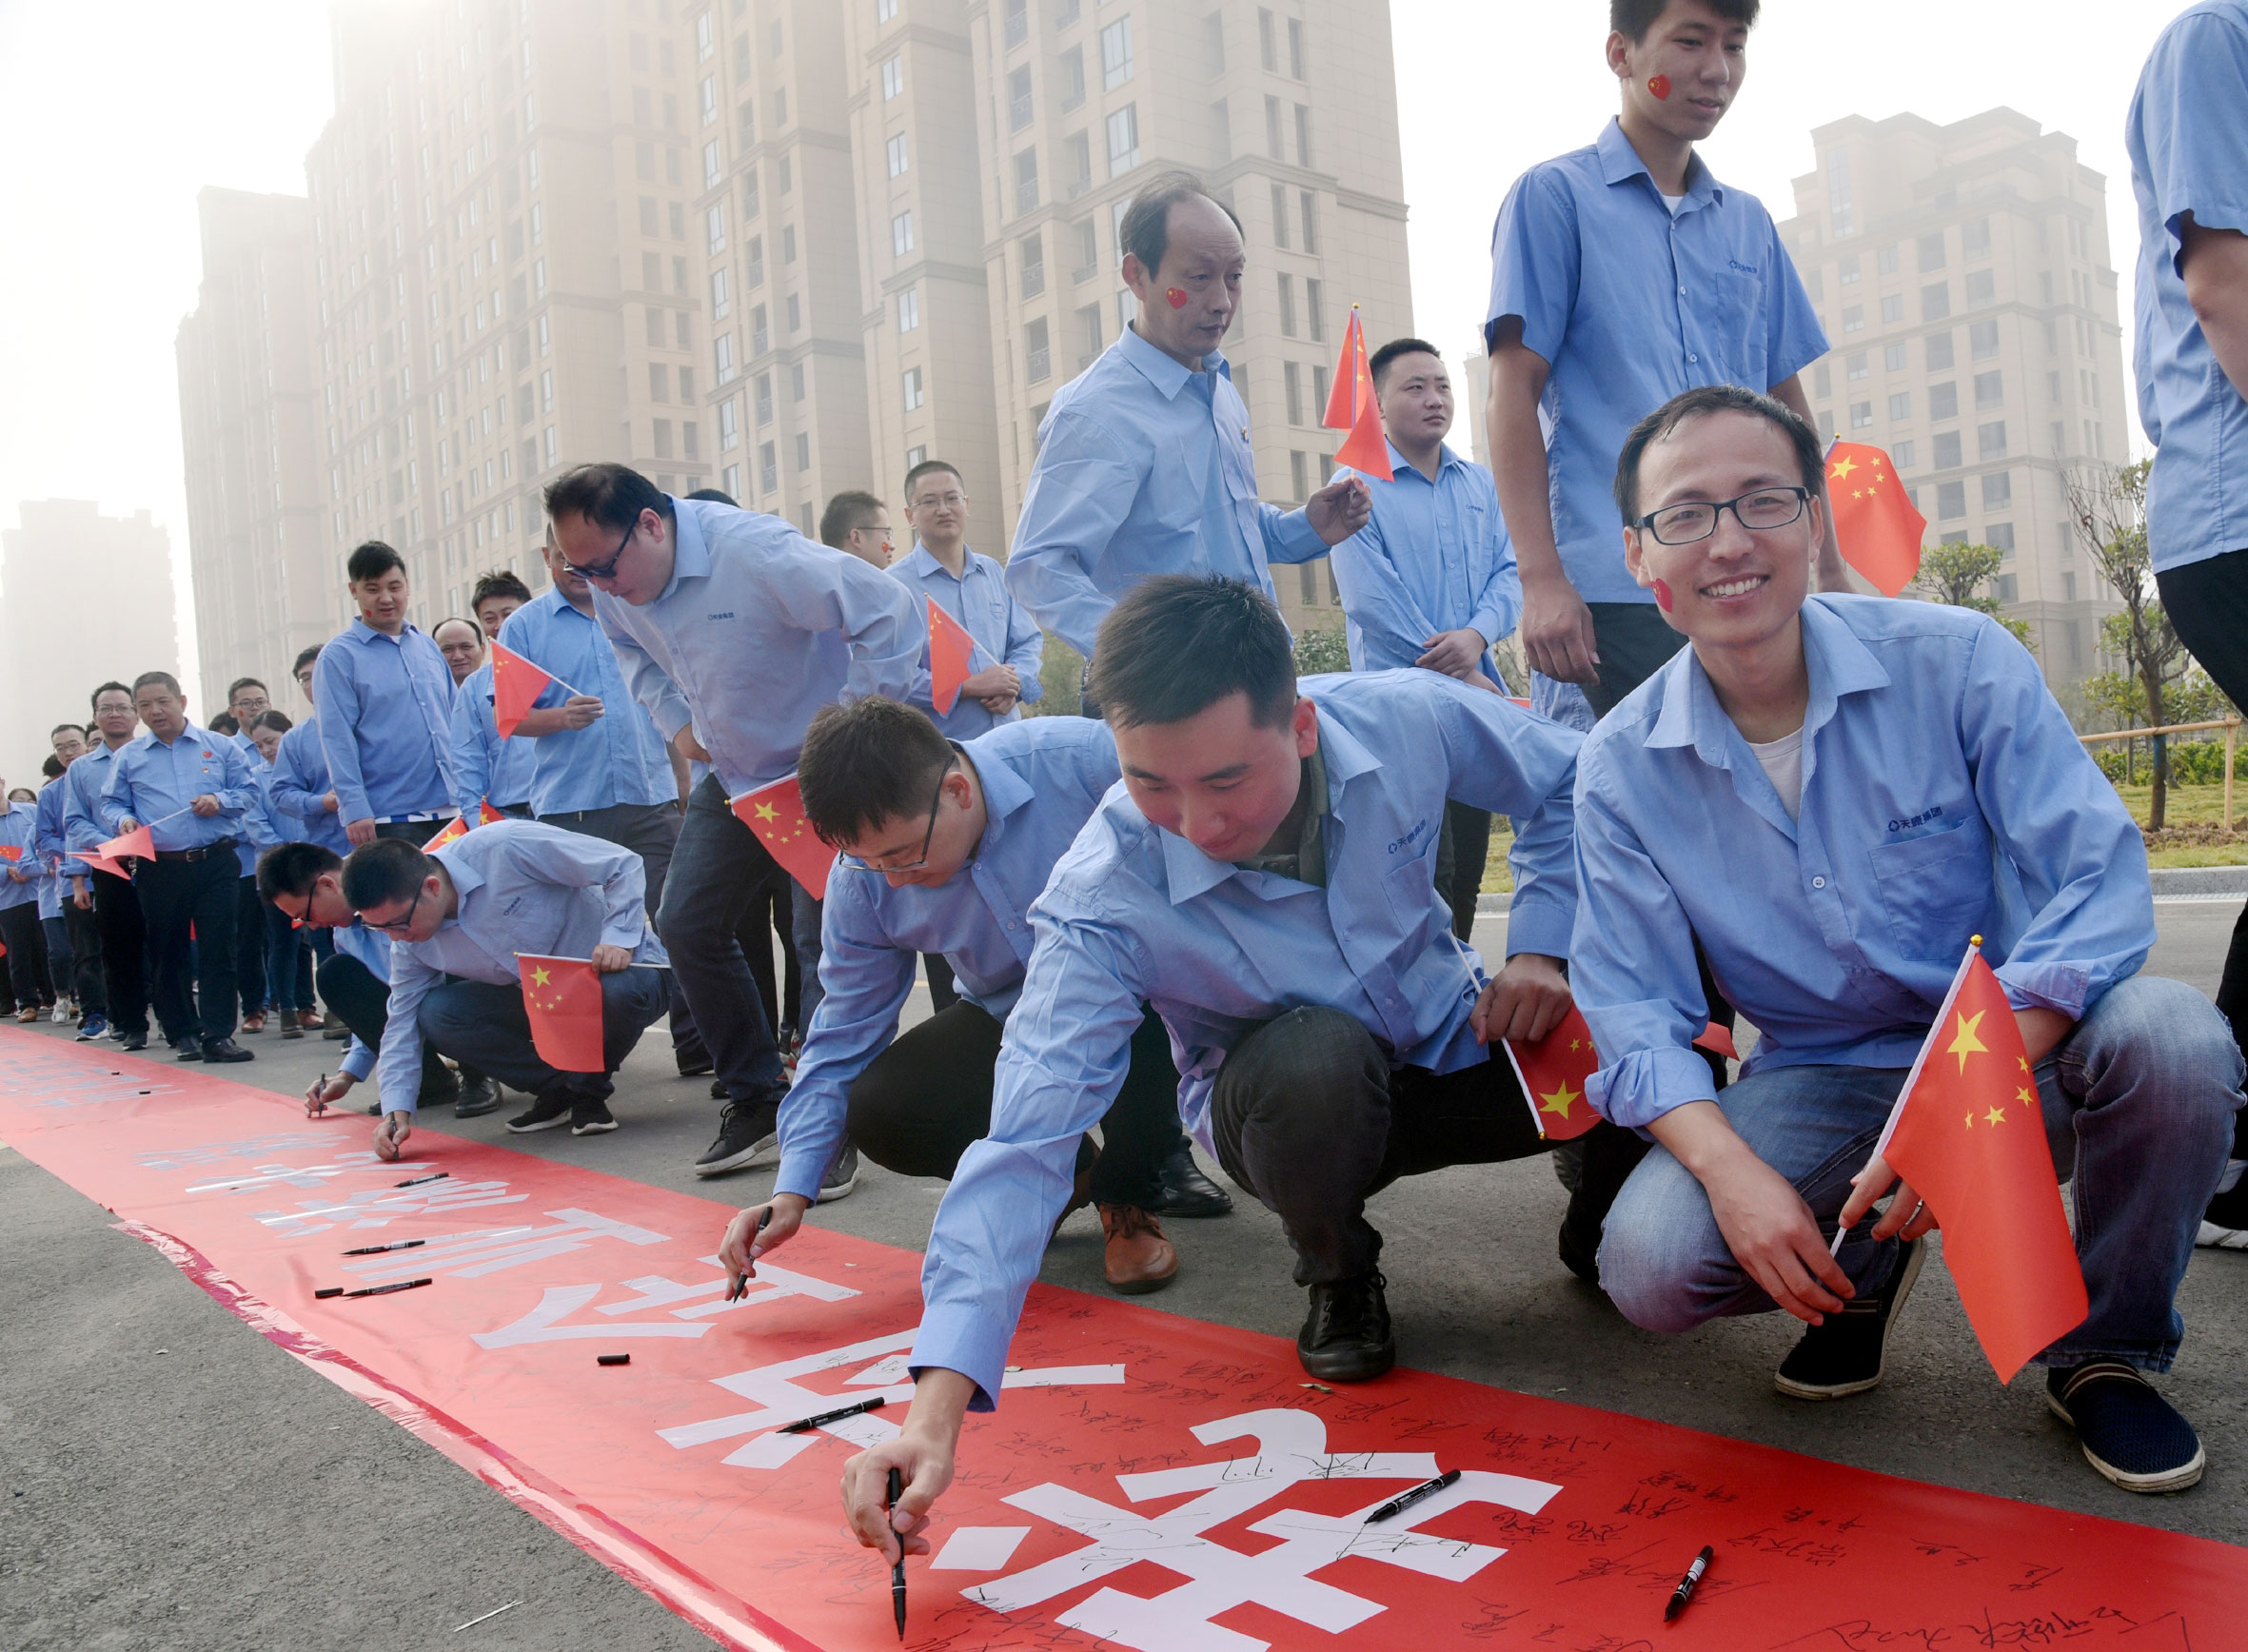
1410,887
1737,312
1935,890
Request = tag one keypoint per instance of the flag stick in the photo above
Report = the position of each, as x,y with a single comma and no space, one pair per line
1480,982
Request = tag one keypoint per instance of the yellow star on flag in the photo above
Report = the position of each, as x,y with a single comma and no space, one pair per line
766,812
1843,468
1996,1115
1559,1101
2023,1095
540,975
1970,1121
2024,1060
1966,1044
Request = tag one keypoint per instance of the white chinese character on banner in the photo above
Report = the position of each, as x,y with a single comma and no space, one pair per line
212,1153
495,1249
379,1207
82,1089
782,1399
1292,1449
697,1302
269,1178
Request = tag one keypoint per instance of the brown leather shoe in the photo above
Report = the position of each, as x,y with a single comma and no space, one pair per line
1138,1258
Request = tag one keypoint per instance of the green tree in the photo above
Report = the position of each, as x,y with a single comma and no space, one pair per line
1955,575
2110,512
1060,669
1324,650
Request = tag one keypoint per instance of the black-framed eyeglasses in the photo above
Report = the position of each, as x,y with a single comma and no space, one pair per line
605,570
396,926
1686,525
936,803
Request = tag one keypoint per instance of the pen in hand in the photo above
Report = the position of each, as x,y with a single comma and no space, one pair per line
739,1286
897,1567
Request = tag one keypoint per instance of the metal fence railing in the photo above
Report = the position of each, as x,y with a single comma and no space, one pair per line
2232,739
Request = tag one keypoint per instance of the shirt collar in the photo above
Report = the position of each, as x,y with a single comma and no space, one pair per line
1004,791
921,562
1167,374
1402,467
1619,161
366,635
467,879
690,550
1839,663
1188,872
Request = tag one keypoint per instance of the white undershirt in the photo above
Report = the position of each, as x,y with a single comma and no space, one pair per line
1783,763
1673,201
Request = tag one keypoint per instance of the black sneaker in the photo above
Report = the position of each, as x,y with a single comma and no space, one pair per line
2224,1223
546,1112
2127,1430
590,1115
747,1135
842,1176
133,1043
1182,1190
1844,1356
1345,1336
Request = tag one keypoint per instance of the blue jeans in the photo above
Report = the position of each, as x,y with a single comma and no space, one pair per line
2139,1102
483,1026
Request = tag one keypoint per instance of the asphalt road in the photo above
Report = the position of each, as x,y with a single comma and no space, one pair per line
169,1479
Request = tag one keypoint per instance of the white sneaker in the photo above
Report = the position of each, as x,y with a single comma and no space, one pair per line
63,1014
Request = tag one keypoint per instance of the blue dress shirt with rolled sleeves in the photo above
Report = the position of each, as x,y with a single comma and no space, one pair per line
300,788
1135,916
1005,634
88,779
1041,781
523,887
47,842
1433,556
371,948
757,629
486,768
619,758
1945,794
19,829
388,705
1631,304
1144,468
151,780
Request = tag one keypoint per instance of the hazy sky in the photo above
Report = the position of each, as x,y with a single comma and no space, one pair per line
113,116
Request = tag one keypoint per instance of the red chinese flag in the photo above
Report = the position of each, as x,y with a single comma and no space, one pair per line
1351,406
139,844
776,814
454,830
101,862
1969,1136
950,649
487,815
1719,1040
1553,1072
562,998
11,852
516,686
1875,521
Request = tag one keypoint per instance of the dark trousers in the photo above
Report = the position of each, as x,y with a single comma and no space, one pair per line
1463,850
250,949
288,958
124,953
718,870
650,830
1633,641
85,956
483,1027
27,956
2207,601
415,832
362,1002
771,913
61,968
922,1102
198,897
942,994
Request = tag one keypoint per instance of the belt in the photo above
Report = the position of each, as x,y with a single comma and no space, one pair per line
415,819
224,846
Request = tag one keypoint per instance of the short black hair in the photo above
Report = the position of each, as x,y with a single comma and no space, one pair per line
276,721
1146,230
59,727
497,583
240,683
1634,18
146,678
53,767
1178,643
846,511
292,869
456,620
610,493
866,762
94,702
305,656
225,724
927,467
1698,402
371,561
1379,367
383,872
712,496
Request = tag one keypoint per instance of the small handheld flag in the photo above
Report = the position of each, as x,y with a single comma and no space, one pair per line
101,862
951,651
454,830
1875,522
516,688
138,844
487,815
1351,406
562,999
11,852
776,814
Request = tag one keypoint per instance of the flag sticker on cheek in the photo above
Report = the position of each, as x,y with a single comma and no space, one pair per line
1662,590
1177,295
1660,85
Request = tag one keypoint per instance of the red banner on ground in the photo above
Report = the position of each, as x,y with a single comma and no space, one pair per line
1149,1481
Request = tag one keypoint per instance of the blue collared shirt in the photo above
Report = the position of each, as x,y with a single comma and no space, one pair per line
523,887
371,948
1005,634
2188,144
1041,779
1432,557
388,725
300,788
48,844
1143,468
1943,796
1136,916
150,780
262,825
619,758
88,779
486,768
757,629
19,829
1631,305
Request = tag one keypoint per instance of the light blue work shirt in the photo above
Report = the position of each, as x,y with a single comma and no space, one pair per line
299,787
88,779
19,828
48,844
523,887
1143,468
1943,796
486,768
1041,781
2188,142
1134,915
616,759
371,948
1433,556
153,779
757,629
388,725
262,825
1005,635
1630,306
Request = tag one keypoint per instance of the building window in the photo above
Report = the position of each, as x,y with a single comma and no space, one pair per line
909,309
1892,309
803,452
901,234
1124,140
795,314
1088,335
1036,354
1267,41
1315,311
538,278
553,444
1997,490
1295,48
892,77
788,244
729,422
720,303
1931,251
1884,261
895,149
768,467
2000,537
705,41
1951,500
1901,406
546,390
1991,440
1823,380
760,339
1280,216
713,164
1072,79
1026,181
1935,302
663,438
1947,450
1032,251
763,392
1990,390
885,10
1286,288
1860,415
659,382
1303,135
913,389
1855,367
1273,138
1903,455
1943,401
1982,339
1983,288
1975,239
1936,350
1115,54
1893,357
795,380
717,223
1292,377
756,261
1309,203
1018,99
709,93
722,356
1851,270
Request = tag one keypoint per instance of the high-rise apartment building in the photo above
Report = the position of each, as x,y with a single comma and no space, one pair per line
265,581
1962,274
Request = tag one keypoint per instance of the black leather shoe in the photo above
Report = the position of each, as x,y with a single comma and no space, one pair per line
695,1067
477,1100
1182,1190
217,1050
1345,1336
188,1051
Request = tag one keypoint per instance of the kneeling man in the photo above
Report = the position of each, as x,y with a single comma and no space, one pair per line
1832,794
457,917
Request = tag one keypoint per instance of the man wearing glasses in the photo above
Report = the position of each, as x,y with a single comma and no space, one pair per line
732,629
973,589
459,917
945,848
1822,791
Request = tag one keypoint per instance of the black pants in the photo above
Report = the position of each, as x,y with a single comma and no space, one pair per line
942,994
720,871
925,1100
484,1027
1633,641
362,1002
1463,850
250,949
85,955
124,953
417,833
2207,601
649,830
198,898
769,914
27,956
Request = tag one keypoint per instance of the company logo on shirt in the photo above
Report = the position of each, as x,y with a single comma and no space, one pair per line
1419,829
1734,263
1920,820
728,615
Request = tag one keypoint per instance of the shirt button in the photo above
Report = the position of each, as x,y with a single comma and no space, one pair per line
1681,293
1818,883
1692,358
